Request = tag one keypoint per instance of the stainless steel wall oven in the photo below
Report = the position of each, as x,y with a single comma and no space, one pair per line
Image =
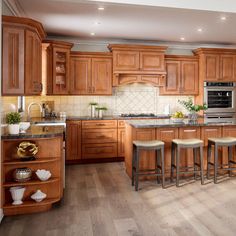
220,98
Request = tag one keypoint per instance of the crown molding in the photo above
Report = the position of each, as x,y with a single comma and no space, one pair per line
170,45
15,8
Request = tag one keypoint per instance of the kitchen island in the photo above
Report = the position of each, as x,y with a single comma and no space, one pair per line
49,141
166,130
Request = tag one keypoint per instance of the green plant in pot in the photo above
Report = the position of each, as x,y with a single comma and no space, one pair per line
192,108
13,120
100,111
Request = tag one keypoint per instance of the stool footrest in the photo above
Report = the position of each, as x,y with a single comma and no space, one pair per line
147,170
233,162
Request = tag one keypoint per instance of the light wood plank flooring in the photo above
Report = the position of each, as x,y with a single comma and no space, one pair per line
99,200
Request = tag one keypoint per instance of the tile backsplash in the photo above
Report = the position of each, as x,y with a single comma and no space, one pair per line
135,98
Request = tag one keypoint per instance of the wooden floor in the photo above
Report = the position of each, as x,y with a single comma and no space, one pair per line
100,201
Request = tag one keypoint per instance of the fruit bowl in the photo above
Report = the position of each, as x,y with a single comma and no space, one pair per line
177,120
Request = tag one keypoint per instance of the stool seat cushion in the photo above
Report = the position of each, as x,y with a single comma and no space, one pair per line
188,142
223,140
148,144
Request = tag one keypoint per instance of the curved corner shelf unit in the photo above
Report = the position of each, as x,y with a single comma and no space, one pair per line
47,158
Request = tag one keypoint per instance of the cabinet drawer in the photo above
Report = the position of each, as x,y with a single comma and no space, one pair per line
121,124
210,132
99,124
104,150
99,135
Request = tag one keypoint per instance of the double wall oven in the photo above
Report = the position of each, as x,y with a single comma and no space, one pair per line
220,98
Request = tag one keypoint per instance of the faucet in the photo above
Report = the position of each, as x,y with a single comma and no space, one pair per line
30,105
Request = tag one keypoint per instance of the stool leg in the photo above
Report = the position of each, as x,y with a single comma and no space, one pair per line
133,164
137,169
208,160
158,160
177,166
216,164
230,155
172,162
163,167
194,162
201,164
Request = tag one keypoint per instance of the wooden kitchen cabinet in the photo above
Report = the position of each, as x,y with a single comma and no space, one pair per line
99,139
73,140
137,63
217,64
91,74
58,67
182,76
21,56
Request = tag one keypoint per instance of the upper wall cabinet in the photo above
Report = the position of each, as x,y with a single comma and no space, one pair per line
137,63
217,64
182,76
21,56
58,67
91,73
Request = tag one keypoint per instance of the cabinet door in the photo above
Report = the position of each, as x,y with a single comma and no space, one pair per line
101,76
61,57
227,68
80,82
152,61
73,140
33,63
212,67
125,60
13,61
172,78
187,155
167,135
121,142
189,78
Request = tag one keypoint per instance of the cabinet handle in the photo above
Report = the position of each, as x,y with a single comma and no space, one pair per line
93,89
190,130
99,124
100,136
41,87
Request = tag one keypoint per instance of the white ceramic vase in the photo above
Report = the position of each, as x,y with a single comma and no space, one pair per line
17,194
93,111
13,128
100,113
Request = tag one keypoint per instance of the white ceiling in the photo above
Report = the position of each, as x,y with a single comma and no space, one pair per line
74,18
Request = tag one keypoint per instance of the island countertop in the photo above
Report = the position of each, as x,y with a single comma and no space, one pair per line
158,123
35,132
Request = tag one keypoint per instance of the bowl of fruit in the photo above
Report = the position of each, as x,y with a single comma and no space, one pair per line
177,117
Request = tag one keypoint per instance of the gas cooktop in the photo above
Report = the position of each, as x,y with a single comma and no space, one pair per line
137,115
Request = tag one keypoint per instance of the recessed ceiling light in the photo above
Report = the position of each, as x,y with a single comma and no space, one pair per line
97,23
182,38
199,29
223,17
101,8
92,34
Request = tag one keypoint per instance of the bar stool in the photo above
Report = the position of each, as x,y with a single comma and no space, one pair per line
156,145
195,144
229,142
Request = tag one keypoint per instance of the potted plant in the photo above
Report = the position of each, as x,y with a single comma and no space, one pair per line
100,111
13,120
192,108
93,106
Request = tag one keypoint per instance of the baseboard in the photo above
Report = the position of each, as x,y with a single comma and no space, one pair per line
1,214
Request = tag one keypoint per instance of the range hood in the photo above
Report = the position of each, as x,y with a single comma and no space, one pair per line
138,64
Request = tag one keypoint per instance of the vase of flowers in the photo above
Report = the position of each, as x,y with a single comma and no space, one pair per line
192,108
13,120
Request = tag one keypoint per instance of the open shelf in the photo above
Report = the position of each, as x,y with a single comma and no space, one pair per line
37,161
32,203
31,182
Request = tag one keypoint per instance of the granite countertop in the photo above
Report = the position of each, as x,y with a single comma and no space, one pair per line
158,123
36,132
